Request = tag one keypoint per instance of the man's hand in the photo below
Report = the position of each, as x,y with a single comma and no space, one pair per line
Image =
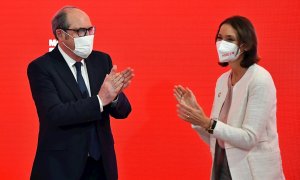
127,75
111,86
114,83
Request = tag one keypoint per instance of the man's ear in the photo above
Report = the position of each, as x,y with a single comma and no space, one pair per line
59,34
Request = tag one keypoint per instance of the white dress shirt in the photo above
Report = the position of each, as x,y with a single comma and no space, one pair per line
71,63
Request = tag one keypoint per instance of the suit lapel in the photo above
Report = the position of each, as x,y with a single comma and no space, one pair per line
96,73
64,72
221,93
92,76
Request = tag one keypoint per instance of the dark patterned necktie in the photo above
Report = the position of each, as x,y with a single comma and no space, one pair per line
94,145
80,81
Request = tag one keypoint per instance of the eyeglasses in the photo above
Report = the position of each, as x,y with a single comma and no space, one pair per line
83,31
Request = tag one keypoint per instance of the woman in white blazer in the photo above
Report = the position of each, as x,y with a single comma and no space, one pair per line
241,131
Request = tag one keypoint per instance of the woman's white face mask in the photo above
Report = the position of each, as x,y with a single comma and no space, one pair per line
227,51
83,45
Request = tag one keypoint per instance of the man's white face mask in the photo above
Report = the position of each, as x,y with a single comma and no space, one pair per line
227,51
83,45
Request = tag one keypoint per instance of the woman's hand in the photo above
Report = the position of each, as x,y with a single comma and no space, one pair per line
185,96
188,108
193,116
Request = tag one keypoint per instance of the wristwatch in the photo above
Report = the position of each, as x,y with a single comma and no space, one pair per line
213,123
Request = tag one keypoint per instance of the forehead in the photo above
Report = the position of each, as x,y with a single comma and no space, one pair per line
227,30
78,19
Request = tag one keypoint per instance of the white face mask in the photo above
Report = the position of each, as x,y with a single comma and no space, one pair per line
227,51
83,45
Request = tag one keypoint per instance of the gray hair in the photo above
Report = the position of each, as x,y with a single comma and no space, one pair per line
59,20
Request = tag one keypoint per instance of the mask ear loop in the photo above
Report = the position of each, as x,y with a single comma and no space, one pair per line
68,34
238,52
65,44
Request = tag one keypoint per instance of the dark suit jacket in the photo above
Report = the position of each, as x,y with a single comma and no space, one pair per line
66,118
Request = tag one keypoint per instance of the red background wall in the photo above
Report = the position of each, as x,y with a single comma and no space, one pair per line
166,42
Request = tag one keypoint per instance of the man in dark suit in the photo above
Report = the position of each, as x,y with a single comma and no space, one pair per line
75,91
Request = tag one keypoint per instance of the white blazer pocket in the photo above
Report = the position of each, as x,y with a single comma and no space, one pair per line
266,166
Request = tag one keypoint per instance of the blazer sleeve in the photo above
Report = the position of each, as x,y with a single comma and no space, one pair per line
51,109
260,107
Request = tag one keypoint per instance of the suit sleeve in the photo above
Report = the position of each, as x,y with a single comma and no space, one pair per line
122,108
51,109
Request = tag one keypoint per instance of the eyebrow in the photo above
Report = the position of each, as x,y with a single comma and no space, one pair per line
227,36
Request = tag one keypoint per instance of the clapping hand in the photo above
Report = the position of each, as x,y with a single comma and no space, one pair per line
127,75
188,108
114,83
185,96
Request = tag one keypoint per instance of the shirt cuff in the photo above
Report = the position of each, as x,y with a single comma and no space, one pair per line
100,103
116,99
114,102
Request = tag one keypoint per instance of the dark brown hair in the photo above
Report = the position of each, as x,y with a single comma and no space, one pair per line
246,35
